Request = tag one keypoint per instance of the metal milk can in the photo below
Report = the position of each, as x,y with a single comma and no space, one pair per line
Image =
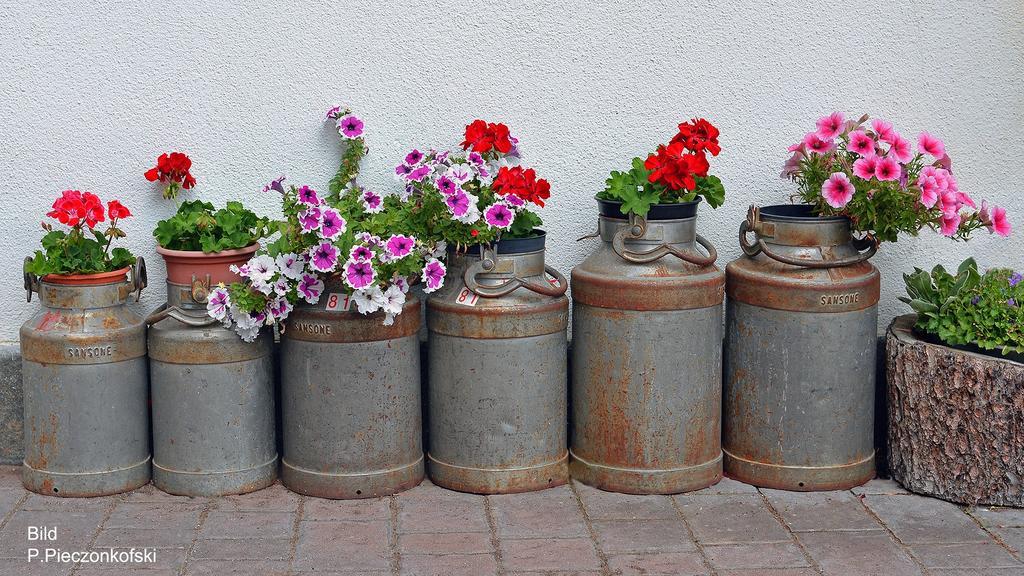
801,330
86,386
212,395
496,406
350,395
647,355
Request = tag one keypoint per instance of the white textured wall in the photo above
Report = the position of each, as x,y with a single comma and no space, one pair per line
92,92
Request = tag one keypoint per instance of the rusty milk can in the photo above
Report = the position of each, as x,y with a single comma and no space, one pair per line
86,387
212,393
801,330
647,355
350,395
496,406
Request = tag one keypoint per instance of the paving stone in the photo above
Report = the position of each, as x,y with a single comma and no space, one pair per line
1013,537
273,498
549,554
10,477
150,494
661,563
976,555
343,546
975,572
449,565
166,559
999,517
428,508
445,543
241,567
367,509
733,518
51,503
74,530
145,537
552,513
778,555
806,511
20,567
603,505
725,486
920,520
175,516
220,524
246,549
625,536
880,486
763,572
860,553
558,573
125,571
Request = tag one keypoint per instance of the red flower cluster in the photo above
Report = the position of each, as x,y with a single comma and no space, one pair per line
483,136
684,159
172,168
522,184
74,208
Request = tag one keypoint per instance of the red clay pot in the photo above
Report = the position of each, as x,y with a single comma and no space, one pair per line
183,264
98,279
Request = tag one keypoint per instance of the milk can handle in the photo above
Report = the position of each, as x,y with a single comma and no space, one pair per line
139,279
165,311
638,227
31,280
752,224
486,263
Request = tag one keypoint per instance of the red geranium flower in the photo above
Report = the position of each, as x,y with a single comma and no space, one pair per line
698,135
74,207
522,184
483,136
116,210
674,168
173,171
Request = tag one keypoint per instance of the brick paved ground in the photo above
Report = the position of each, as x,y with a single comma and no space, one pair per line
730,530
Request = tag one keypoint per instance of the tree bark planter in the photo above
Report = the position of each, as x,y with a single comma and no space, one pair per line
955,420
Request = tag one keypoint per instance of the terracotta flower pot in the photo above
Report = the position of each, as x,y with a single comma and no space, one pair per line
182,265
97,279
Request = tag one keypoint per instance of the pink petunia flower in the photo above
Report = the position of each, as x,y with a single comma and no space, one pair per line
458,203
837,190
350,126
865,167
433,275
950,223
900,148
359,274
419,174
498,215
929,191
861,143
217,304
830,126
399,245
883,130
995,219
815,144
413,157
372,203
931,145
308,196
309,219
360,254
332,224
887,169
310,287
446,185
323,257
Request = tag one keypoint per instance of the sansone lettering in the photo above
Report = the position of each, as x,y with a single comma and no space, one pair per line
310,328
840,299
91,351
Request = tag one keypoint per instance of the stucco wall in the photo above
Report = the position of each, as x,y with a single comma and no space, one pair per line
91,93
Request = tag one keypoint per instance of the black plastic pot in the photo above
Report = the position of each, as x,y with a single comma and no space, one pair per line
516,245
974,348
795,213
613,209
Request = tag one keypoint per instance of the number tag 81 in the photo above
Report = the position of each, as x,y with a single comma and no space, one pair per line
338,302
467,297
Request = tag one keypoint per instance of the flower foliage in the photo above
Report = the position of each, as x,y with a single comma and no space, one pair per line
197,226
868,172
172,171
366,240
969,307
82,249
674,172
475,196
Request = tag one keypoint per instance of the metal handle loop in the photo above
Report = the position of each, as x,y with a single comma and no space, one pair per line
178,314
487,263
31,280
638,228
753,224
139,279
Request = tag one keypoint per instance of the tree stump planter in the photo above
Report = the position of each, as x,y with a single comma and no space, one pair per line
956,420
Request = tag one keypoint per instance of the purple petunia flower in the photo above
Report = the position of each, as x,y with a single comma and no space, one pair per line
441,157
308,196
1011,303
333,113
290,264
419,173
498,215
359,274
350,126
460,173
414,157
332,224
400,246
360,254
513,200
276,185
372,202
217,304
309,219
446,185
1015,278
475,158
401,171
458,203
324,257
433,275
279,309
310,287
975,300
